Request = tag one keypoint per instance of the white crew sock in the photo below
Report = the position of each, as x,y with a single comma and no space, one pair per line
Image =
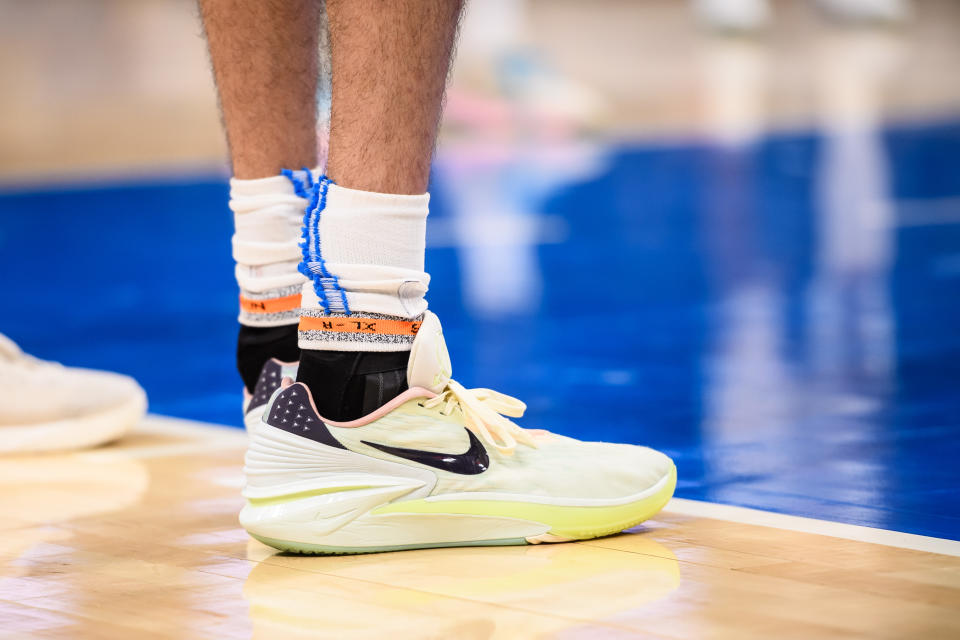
268,215
367,285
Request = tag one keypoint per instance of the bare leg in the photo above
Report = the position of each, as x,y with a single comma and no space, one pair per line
390,61
265,62
264,57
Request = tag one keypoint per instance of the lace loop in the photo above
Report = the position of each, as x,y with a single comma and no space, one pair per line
483,411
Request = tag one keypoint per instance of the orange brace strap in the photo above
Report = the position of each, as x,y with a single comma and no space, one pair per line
357,324
270,305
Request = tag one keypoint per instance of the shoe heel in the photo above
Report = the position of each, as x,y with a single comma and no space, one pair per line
301,490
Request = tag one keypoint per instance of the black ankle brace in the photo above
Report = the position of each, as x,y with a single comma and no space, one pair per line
256,345
347,385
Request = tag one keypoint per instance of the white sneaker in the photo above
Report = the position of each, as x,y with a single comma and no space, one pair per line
45,406
436,466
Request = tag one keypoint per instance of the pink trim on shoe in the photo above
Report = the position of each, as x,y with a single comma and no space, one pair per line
403,398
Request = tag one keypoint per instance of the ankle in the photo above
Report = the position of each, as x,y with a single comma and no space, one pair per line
256,345
347,385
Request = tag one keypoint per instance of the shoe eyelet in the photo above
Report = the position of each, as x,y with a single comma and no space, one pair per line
420,404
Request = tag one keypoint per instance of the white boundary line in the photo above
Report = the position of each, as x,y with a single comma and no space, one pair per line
215,437
854,532
203,436
154,423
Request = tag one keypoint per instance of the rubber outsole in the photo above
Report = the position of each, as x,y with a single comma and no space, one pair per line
647,508
303,548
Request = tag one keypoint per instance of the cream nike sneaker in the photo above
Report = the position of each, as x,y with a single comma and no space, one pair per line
437,466
45,406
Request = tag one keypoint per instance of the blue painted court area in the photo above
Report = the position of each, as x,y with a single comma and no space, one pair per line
781,317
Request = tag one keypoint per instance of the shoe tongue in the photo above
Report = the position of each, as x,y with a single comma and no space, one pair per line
429,366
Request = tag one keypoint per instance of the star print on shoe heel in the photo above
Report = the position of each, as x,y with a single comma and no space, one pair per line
293,411
271,375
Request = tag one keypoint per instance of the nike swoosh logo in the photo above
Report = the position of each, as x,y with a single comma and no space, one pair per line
475,460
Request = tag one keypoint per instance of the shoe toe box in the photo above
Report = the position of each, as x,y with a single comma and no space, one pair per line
600,470
634,469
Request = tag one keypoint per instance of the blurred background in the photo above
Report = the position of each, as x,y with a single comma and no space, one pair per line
729,229
119,87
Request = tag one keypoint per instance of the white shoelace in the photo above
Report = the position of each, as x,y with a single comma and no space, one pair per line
483,411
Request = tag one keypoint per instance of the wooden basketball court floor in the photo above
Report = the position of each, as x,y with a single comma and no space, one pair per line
141,540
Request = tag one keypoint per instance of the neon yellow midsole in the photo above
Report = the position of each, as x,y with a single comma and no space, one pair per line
568,521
